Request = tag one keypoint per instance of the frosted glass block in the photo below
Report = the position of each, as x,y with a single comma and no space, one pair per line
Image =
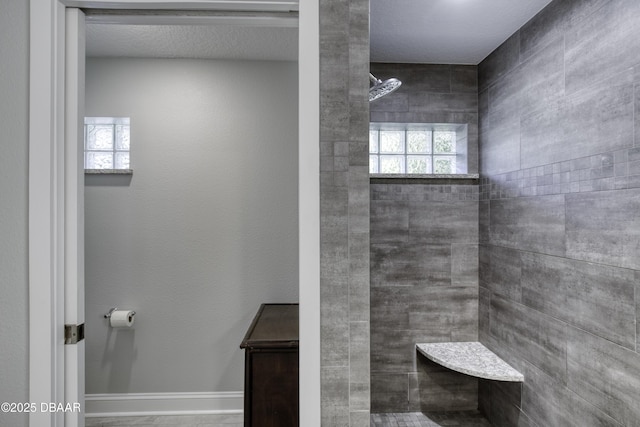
444,142
373,141
99,137
418,164
392,164
373,164
419,141
122,138
391,141
98,160
444,165
122,160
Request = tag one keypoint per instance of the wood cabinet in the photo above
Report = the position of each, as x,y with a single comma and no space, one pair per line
271,367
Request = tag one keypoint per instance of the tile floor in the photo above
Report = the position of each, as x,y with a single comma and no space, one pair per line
412,419
231,420
431,419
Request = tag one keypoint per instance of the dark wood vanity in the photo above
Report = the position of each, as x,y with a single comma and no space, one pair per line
271,367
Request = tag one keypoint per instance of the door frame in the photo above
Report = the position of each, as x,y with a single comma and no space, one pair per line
51,252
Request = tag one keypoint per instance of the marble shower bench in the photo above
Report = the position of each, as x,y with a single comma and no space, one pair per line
470,358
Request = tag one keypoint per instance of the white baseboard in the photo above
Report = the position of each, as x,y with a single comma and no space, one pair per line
143,404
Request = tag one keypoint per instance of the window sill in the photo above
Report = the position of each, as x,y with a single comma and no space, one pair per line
466,178
108,171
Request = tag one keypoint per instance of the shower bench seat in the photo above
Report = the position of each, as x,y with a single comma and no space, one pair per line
471,358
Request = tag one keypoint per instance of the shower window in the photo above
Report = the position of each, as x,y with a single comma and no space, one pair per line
107,144
417,149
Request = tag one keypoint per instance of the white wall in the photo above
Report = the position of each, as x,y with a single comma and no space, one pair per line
14,84
203,232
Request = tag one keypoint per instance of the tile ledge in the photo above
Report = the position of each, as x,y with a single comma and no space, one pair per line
108,171
470,358
424,176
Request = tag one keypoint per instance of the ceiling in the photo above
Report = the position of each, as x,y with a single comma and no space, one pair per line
412,31
445,31
219,41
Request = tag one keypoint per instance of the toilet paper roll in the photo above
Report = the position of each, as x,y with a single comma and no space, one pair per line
122,318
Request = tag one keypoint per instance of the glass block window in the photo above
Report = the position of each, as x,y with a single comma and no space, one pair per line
107,143
415,148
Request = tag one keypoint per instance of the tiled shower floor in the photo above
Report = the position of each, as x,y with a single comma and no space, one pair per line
431,419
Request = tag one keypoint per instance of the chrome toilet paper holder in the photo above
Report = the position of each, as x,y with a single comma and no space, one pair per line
108,315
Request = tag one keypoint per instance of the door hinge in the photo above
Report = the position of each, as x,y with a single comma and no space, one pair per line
73,334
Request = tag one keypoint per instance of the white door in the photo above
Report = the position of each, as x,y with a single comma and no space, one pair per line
74,216
56,249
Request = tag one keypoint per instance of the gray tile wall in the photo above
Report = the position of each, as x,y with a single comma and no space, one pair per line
424,252
559,225
344,212
431,94
424,288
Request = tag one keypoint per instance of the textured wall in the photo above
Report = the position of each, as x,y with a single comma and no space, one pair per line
14,112
424,253
431,93
203,232
424,288
344,212
559,229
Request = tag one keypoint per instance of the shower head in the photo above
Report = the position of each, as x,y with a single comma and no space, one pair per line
381,88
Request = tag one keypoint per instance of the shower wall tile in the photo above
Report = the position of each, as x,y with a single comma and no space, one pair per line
431,93
398,103
483,110
360,419
403,264
604,227
592,121
389,392
344,212
529,223
553,21
335,396
359,391
636,88
501,146
484,313
592,362
404,316
457,222
559,196
464,264
423,284
528,335
604,44
464,78
335,329
500,62
418,77
505,398
389,221
549,403
443,102
483,219
441,389
547,26
388,307
580,294
637,281
454,310
503,272
541,77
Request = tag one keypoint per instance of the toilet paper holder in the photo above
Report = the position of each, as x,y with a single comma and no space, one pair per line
108,315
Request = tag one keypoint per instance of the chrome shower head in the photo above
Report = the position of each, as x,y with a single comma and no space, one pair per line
381,88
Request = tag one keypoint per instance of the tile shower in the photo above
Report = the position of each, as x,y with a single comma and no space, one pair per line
557,230
557,202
